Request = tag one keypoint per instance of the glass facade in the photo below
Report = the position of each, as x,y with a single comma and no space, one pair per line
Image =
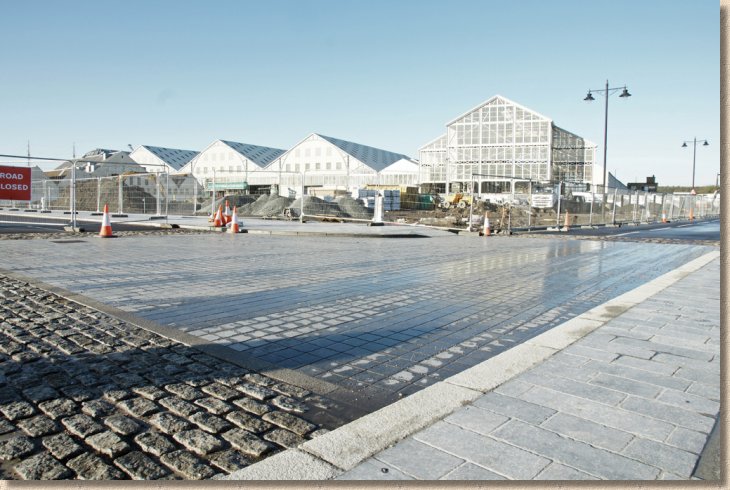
500,141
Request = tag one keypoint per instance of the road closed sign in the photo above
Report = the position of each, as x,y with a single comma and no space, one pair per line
15,183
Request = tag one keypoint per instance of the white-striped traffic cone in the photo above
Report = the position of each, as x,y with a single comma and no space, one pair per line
106,225
227,213
486,224
234,222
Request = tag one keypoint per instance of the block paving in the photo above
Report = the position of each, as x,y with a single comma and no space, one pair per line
86,396
634,400
382,317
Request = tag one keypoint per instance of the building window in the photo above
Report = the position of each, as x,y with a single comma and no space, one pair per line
339,166
328,165
306,167
316,166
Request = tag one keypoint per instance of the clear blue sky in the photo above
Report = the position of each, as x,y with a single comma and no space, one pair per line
386,73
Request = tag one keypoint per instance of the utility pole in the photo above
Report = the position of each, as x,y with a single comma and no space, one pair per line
29,153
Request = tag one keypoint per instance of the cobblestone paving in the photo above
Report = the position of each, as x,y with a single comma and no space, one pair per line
87,396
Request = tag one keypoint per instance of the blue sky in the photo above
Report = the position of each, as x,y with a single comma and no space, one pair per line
388,74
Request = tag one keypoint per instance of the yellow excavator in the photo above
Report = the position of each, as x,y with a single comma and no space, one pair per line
458,200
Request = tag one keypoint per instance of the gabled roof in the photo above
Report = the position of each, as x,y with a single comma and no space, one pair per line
614,183
260,155
173,157
502,99
433,143
374,158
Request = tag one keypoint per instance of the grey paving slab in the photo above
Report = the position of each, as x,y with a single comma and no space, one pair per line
470,471
557,471
496,456
419,460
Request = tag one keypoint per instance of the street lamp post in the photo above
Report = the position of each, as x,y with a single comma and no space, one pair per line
606,92
694,156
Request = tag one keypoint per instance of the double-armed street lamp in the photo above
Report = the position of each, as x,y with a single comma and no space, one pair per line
694,156
606,92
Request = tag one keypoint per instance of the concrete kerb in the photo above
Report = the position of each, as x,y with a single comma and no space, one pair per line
342,449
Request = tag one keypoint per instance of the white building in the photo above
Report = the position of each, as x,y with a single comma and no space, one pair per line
330,162
500,142
97,163
156,159
230,164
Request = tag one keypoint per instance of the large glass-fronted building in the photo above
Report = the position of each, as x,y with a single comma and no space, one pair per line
500,142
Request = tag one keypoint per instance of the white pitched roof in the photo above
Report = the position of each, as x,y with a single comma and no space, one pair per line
492,99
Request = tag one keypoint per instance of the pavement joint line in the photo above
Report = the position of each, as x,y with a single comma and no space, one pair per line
222,352
347,446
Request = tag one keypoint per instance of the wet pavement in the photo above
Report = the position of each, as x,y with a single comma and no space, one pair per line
635,399
386,317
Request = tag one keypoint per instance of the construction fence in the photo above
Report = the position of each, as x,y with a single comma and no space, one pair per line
288,195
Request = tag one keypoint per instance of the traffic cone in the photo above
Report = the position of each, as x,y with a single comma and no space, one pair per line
691,214
664,217
227,213
218,220
566,226
106,226
486,224
234,222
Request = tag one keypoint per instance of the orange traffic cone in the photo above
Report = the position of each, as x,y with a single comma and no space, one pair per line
218,220
486,224
566,225
106,226
227,213
664,217
691,214
234,222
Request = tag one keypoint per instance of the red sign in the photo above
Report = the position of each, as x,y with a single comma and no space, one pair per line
15,183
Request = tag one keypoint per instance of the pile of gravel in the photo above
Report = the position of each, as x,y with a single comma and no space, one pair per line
314,206
353,208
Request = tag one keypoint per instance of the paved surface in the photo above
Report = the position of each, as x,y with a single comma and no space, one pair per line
84,395
370,316
628,390
634,400
697,231
385,317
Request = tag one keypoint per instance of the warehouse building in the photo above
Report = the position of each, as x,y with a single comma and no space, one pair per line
156,159
333,163
230,164
500,143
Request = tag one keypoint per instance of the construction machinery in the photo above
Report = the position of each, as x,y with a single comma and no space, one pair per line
457,200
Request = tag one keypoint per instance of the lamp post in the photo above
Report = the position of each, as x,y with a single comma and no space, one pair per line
694,156
606,92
